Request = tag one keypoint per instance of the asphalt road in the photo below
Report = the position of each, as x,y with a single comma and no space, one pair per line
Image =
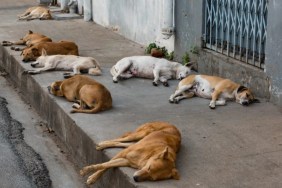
25,142
20,165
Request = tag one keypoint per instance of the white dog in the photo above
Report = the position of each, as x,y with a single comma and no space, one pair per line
149,67
65,62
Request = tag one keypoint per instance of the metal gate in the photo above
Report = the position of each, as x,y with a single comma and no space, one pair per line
237,28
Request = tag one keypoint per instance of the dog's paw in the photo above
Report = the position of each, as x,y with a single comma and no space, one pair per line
115,81
73,111
12,48
98,147
165,84
75,105
155,84
67,75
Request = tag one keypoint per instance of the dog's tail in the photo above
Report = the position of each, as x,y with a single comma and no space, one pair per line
96,71
113,71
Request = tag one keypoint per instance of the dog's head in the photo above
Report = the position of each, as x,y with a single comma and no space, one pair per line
30,54
46,15
183,71
158,167
244,96
55,88
40,61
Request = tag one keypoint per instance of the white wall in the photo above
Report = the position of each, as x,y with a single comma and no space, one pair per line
138,20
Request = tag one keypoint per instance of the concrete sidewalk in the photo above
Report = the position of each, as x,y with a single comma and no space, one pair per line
232,146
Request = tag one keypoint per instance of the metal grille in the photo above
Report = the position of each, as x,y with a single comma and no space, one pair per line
237,28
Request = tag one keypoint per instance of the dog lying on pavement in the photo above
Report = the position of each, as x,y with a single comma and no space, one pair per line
37,12
92,97
51,48
149,67
28,40
211,87
151,149
65,62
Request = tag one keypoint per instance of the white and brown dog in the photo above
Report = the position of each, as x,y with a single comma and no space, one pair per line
37,12
211,87
149,67
67,63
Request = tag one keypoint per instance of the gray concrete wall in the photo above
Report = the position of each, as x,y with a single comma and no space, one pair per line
188,23
274,50
138,20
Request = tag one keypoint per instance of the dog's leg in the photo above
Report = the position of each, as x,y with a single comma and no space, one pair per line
37,71
156,73
108,144
215,96
126,75
185,95
123,67
178,92
94,177
101,168
220,102
163,79
131,137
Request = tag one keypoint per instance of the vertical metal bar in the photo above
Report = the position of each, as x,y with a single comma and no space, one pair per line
261,30
241,29
235,28
211,23
248,28
216,24
255,30
222,27
206,20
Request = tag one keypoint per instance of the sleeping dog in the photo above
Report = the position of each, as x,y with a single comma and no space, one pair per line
151,149
92,96
149,67
211,87
65,62
28,40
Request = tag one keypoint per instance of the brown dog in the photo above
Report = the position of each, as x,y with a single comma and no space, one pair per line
28,40
37,12
51,48
154,153
92,96
212,87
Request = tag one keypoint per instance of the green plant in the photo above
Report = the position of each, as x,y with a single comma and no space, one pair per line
186,58
149,48
169,56
195,50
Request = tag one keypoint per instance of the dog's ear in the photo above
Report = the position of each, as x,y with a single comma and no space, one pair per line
175,175
164,154
30,32
192,65
241,89
35,51
43,52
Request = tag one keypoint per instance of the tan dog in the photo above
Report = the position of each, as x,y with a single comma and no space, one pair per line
51,48
211,87
153,154
28,40
37,12
92,96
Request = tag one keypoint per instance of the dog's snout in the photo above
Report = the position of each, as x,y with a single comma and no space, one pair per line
245,103
25,60
33,65
49,88
136,178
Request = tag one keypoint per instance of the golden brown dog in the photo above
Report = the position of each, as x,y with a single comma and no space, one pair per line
153,154
37,12
92,96
51,48
28,40
212,87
